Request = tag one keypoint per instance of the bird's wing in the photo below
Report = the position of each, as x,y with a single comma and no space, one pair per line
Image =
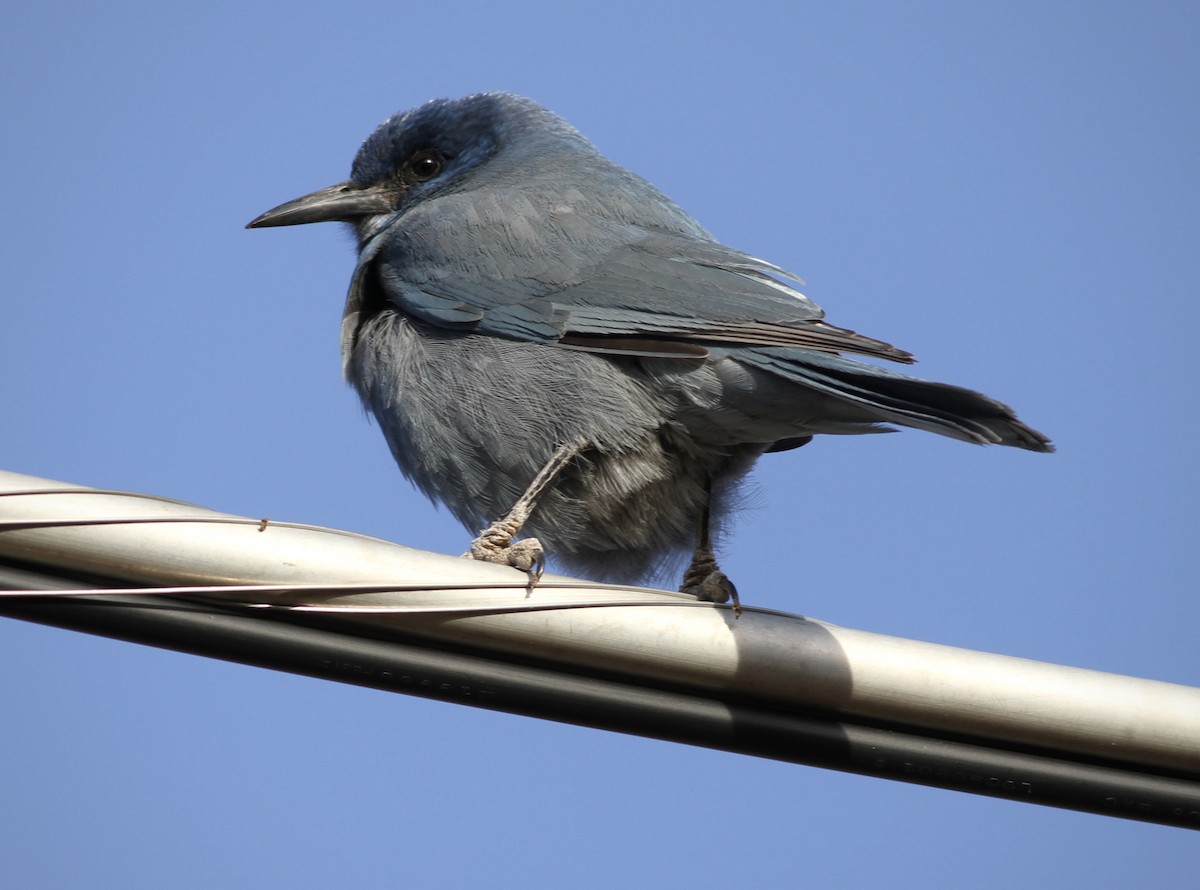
647,293
701,293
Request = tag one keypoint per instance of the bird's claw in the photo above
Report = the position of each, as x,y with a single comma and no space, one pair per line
712,586
527,555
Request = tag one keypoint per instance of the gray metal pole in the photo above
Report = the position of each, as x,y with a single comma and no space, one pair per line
633,660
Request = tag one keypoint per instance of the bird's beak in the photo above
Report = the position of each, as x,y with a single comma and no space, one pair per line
344,202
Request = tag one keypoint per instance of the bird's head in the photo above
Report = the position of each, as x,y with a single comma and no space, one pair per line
436,148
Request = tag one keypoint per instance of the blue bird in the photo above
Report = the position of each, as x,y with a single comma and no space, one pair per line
545,337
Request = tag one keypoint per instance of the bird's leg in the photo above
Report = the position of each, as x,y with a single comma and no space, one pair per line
703,578
495,543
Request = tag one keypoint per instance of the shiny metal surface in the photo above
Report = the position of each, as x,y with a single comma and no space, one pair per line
653,636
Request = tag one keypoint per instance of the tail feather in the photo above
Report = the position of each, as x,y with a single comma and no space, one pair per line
941,408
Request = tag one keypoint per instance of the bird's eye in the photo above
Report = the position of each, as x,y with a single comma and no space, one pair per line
425,165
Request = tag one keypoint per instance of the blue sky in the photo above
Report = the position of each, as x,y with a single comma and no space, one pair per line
1008,190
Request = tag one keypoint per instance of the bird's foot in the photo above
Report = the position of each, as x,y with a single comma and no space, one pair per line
495,544
705,581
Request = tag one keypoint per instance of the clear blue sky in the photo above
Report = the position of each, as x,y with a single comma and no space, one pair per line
1009,190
